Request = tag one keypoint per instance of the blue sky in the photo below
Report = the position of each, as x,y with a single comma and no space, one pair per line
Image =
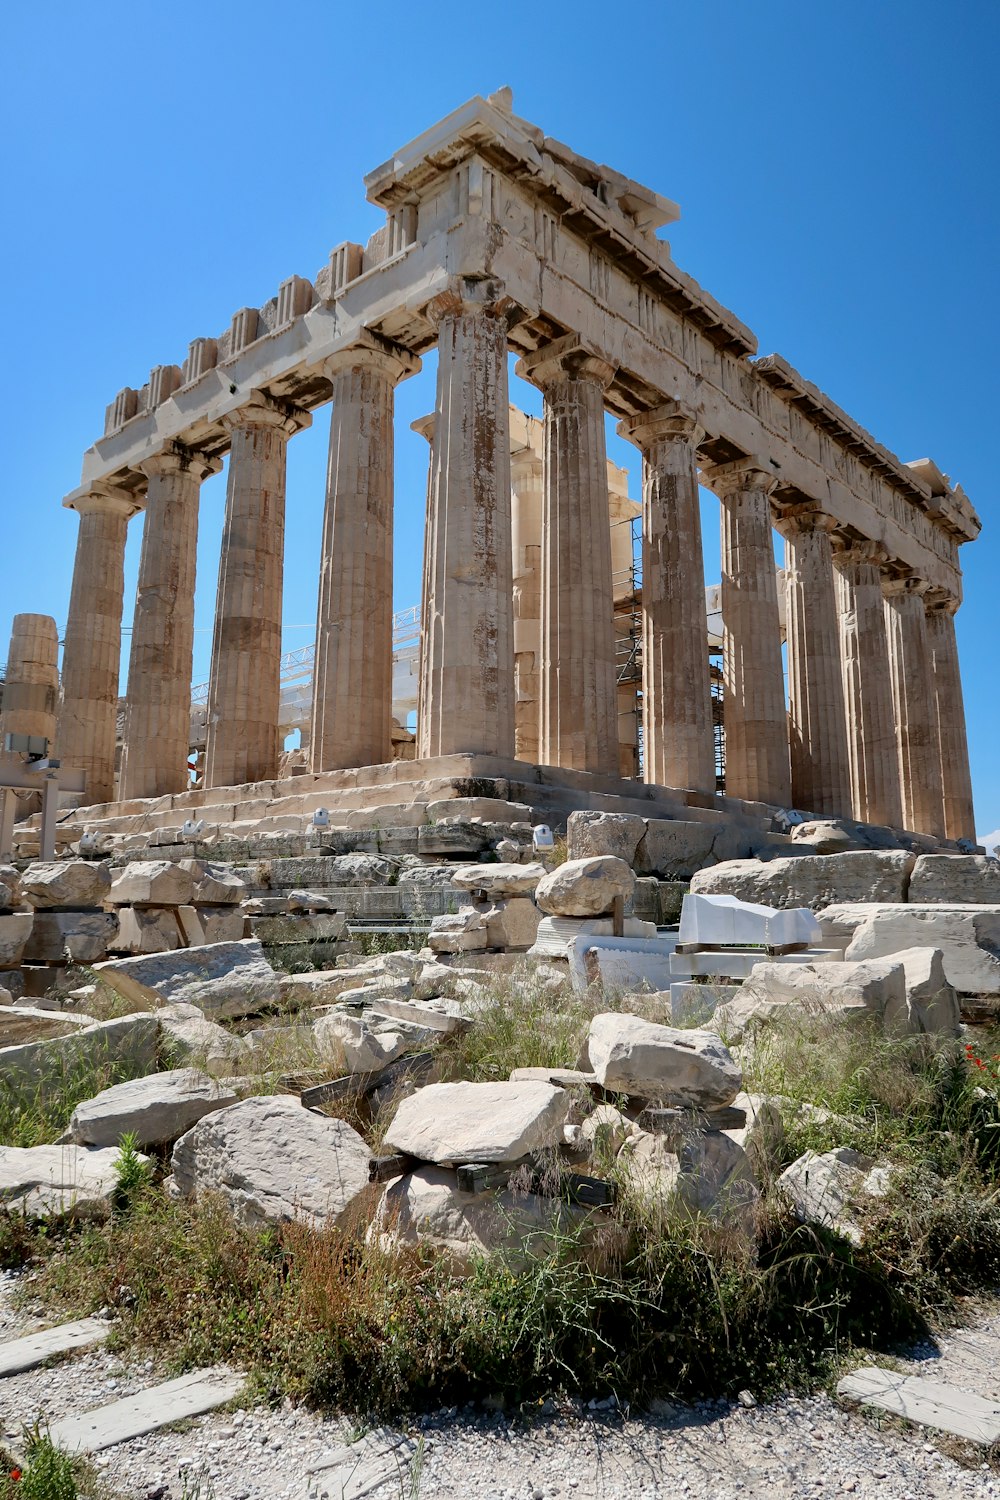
835,163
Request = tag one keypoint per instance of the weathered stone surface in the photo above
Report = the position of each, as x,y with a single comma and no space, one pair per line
43,1180
955,879
66,882
353,1042
764,1130
303,927
129,1041
811,880
709,1177
968,937
152,929
153,882
590,834
156,1109
924,1403
675,849
585,887
272,1160
358,869
677,1067
486,809
210,924
497,880
426,1207
450,1123
10,887
931,1002
213,884
222,979
309,901
460,932
79,936
827,1189
833,989
15,929
189,1037
557,936
606,1129
512,923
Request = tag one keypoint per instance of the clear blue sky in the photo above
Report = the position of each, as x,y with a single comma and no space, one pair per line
836,164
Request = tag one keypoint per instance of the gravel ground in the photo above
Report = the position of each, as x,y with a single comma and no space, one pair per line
788,1448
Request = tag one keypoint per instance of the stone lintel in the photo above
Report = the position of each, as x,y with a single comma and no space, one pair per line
374,353
570,357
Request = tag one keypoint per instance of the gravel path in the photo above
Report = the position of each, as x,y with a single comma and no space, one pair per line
719,1451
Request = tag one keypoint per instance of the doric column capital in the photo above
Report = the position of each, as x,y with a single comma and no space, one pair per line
425,426
468,296
670,422
805,519
175,458
107,499
940,602
568,358
263,410
735,477
373,353
903,585
851,553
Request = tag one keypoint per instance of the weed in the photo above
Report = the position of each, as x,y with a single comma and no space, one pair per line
523,1024
35,1107
48,1473
132,1172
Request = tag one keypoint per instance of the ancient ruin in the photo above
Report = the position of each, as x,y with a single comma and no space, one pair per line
499,239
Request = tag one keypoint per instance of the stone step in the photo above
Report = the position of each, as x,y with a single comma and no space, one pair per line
927,1403
190,1395
34,1349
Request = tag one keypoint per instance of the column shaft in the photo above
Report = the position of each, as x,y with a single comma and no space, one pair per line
817,723
244,684
578,721
754,713
910,671
467,654
352,689
92,651
158,701
527,498
956,780
31,686
871,734
678,741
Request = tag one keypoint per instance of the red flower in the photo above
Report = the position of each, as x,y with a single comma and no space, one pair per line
15,1474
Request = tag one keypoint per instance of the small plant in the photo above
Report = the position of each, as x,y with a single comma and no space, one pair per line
132,1173
48,1473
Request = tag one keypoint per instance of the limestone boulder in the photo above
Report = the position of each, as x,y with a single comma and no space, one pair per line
222,979
557,937
450,1123
512,924
499,880
301,927
348,1040
458,932
10,888
829,1189
932,1006
840,835
273,1161
152,882
710,1177
213,884
82,937
585,887
358,869
310,901
15,930
813,880
147,930
157,1109
968,937
955,879
606,1130
209,924
189,1037
41,1181
66,882
591,834
674,849
837,990
690,1069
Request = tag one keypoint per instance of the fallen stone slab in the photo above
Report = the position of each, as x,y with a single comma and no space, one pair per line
926,1403
189,1037
18,1355
15,930
968,937
813,880
148,930
676,1066
222,979
299,927
498,879
131,1042
449,1123
46,1180
463,931
213,884
272,1160
708,1176
446,1021
955,879
10,887
66,882
307,901
81,937
557,937
931,1002
363,1050
800,990
358,1469
152,882
716,921
512,923
157,1109
675,849
585,887
177,1400
827,1188
202,925
623,964
590,834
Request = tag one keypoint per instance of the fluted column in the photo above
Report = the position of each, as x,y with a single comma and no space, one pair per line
816,720
911,675
527,498
467,637
31,685
158,700
352,685
755,718
956,780
578,722
425,426
92,652
678,744
871,733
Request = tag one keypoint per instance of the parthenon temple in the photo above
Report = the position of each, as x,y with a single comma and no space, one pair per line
500,241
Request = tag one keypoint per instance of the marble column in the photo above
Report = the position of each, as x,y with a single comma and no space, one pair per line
352,685
578,722
956,779
158,701
92,651
816,719
244,683
871,732
754,713
467,636
31,685
527,498
678,742
425,426
911,676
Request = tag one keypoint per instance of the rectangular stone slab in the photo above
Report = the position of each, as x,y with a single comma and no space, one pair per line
350,1473
35,1348
188,1396
930,1403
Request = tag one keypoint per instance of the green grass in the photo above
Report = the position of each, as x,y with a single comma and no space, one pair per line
35,1111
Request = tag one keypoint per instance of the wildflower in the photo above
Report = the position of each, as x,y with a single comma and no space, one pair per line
15,1474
